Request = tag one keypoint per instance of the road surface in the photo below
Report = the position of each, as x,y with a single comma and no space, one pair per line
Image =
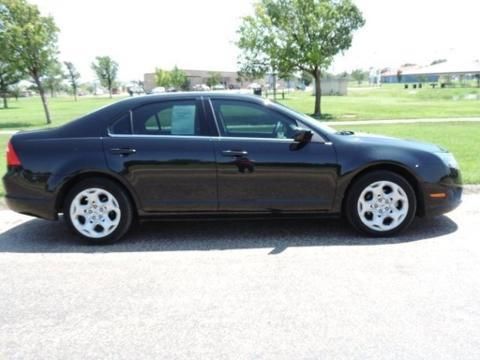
304,289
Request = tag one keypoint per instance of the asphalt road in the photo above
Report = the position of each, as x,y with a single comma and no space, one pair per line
242,290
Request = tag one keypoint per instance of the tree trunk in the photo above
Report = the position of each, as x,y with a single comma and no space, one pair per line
318,95
5,102
274,86
75,94
41,90
110,92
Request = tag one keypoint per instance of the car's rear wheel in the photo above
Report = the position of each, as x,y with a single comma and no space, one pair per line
381,203
98,210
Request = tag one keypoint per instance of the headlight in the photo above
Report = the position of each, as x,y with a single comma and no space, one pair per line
448,159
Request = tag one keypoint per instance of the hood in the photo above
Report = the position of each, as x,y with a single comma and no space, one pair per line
370,139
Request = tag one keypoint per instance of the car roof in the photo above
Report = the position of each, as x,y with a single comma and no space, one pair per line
144,99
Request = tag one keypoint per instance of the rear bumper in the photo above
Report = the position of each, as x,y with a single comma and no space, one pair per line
27,195
42,208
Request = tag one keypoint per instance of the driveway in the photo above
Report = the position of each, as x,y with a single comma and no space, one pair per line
242,289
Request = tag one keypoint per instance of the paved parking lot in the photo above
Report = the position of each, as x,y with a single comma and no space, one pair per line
268,289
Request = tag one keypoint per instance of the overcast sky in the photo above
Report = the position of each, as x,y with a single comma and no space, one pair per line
192,34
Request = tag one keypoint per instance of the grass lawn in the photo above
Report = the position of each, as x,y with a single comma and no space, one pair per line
391,102
462,139
28,112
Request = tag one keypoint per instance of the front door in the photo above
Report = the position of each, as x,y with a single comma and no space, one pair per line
163,150
260,168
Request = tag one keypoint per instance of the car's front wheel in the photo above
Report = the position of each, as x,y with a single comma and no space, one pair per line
98,210
381,203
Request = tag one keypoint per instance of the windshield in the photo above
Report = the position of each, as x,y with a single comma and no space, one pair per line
305,118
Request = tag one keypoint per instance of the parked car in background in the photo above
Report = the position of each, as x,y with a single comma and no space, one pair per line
218,87
157,90
201,87
215,155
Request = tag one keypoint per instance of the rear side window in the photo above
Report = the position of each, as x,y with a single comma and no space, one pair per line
168,118
122,126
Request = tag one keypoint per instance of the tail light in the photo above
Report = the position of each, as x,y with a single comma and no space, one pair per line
12,157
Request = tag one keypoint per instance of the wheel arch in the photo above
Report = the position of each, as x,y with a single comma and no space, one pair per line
397,169
71,182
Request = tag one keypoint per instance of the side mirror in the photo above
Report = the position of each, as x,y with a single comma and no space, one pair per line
303,136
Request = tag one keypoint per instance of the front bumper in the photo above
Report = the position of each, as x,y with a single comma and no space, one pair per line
439,206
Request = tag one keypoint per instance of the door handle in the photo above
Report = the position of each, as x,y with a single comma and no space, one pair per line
123,151
235,153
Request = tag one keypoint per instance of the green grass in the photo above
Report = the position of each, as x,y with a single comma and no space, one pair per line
391,102
361,103
462,139
28,112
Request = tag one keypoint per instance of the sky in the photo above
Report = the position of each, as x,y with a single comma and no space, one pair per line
144,34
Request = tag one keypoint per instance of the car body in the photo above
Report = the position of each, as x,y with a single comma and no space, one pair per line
216,155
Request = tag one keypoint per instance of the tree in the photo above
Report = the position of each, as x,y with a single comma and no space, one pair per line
297,35
213,78
399,76
31,39
162,77
306,78
438,61
177,78
9,75
106,70
72,75
359,75
53,78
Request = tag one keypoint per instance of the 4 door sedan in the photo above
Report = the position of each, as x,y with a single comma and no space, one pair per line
216,155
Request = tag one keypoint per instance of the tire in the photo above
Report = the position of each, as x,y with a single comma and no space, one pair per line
98,210
381,204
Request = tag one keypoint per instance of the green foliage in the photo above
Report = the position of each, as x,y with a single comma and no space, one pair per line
214,78
53,79
286,36
72,76
31,40
177,78
9,75
106,70
359,75
162,77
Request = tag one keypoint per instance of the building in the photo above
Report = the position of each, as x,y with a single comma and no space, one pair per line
431,73
197,77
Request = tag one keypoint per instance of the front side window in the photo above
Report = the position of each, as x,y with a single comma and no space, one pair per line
167,118
244,119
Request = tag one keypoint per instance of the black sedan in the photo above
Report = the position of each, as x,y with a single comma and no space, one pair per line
217,155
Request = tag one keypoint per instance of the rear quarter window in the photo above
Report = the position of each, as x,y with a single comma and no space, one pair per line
122,126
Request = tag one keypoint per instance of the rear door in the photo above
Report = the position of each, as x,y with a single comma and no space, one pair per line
165,151
260,168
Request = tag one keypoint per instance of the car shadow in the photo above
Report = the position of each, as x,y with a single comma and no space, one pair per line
40,236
